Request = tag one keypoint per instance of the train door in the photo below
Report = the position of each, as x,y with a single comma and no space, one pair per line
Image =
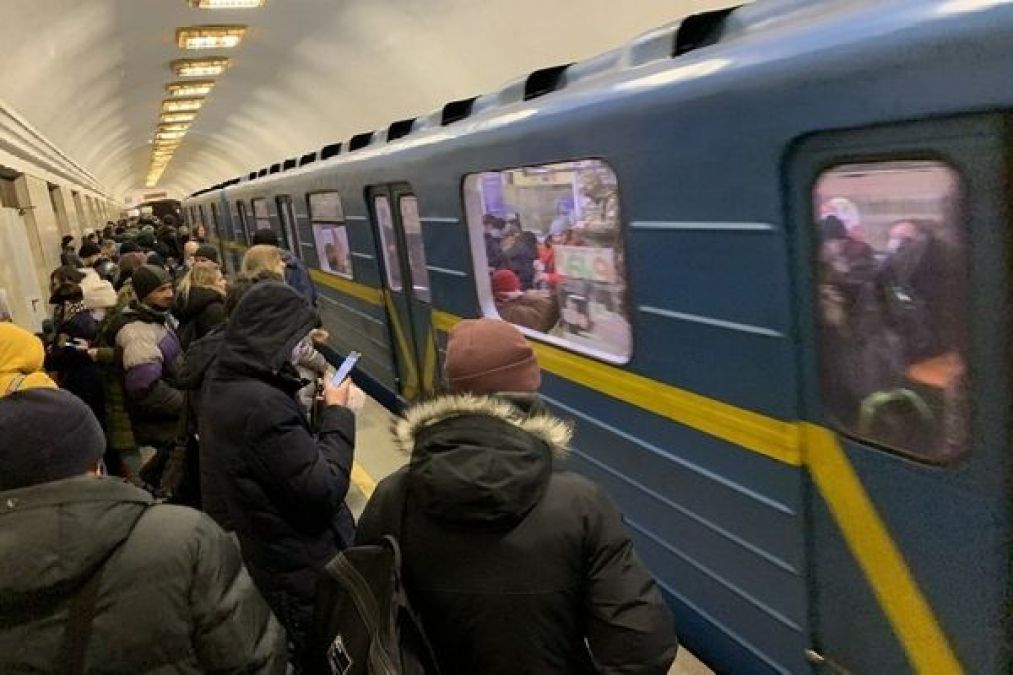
902,237
289,228
398,233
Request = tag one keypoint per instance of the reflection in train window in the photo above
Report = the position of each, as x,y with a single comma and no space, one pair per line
416,251
261,214
552,248
892,305
330,233
385,224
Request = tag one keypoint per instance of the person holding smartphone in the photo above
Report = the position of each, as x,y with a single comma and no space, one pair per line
283,484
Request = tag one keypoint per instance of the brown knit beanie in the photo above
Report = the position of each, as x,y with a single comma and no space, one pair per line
485,356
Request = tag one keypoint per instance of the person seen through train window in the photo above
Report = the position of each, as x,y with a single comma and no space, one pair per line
520,251
559,233
296,274
283,485
493,234
514,564
533,309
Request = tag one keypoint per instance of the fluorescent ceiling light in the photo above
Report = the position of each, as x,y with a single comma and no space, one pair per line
190,104
190,88
209,37
169,135
171,118
226,4
172,127
209,67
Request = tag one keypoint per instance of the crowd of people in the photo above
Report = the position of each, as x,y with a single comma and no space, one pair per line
175,460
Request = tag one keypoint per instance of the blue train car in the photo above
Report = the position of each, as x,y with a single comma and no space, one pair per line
769,253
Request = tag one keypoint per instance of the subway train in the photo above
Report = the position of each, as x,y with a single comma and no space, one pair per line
771,245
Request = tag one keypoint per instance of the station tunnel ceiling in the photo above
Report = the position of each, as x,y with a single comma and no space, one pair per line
91,75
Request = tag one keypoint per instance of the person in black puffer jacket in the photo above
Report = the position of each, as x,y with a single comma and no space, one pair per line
200,302
513,565
284,487
171,594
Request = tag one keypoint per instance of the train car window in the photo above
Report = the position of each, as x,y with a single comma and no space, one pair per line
550,239
261,214
330,233
385,223
892,282
416,251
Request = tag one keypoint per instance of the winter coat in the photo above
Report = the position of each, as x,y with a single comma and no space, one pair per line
284,487
298,277
173,596
78,372
513,565
519,254
198,361
531,310
203,310
21,359
148,353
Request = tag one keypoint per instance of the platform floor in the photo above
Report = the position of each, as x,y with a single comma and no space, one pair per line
375,458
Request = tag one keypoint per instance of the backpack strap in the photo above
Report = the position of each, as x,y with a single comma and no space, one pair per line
81,617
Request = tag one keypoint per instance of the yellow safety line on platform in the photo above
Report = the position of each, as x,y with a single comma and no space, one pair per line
362,480
882,562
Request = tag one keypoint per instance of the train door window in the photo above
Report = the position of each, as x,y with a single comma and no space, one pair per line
201,227
330,234
409,206
289,228
893,296
550,240
391,259
244,221
261,214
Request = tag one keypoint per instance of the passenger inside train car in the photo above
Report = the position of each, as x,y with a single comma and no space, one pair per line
893,298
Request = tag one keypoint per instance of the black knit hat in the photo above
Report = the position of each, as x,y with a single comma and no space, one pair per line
148,278
129,247
265,236
88,249
49,434
66,239
208,252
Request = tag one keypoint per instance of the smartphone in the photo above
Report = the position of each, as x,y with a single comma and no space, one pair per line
345,368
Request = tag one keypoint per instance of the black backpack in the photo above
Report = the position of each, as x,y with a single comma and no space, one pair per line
363,623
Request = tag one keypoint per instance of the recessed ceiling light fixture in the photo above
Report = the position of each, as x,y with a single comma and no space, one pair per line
209,67
209,37
226,4
190,104
169,135
190,88
172,127
174,117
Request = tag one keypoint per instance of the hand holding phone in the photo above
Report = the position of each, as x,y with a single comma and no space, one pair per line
345,368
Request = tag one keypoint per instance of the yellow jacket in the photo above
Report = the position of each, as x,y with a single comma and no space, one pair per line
21,357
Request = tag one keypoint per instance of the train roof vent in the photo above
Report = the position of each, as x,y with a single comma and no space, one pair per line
252,176
275,168
653,45
455,111
261,173
332,150
544,81
360,141
308,158
399,129
289,163
700,30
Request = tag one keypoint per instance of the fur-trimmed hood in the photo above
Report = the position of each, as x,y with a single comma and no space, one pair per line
480,460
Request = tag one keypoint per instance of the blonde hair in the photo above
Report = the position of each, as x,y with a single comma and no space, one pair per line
262,257
203,274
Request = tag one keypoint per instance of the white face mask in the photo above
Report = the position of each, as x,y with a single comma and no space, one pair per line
302,349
